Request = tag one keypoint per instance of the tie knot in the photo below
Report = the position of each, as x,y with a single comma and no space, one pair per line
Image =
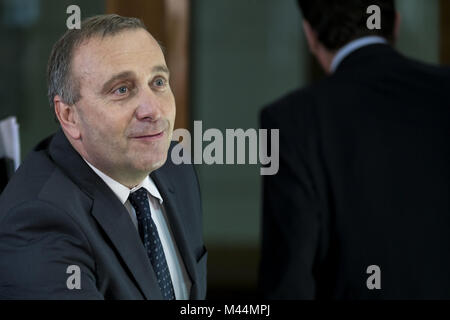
138,198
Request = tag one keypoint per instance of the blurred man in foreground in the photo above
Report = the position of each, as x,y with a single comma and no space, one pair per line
360,206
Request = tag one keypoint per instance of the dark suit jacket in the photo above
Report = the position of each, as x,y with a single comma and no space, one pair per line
364,179
6,171
57,212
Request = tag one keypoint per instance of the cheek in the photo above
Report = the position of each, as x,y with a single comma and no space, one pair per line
105,128
171,112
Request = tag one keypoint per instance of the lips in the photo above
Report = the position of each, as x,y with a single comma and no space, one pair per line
148,137
147,132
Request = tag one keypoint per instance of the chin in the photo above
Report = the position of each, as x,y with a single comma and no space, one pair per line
153,163
150,158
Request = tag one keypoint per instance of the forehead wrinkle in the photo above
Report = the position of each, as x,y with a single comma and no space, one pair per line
137,60
119,44
119,40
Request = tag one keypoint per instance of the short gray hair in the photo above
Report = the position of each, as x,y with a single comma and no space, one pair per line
60,80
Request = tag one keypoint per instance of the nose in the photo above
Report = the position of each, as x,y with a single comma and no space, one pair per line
149,106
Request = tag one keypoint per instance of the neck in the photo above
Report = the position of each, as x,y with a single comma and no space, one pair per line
127,179
129,182
325,58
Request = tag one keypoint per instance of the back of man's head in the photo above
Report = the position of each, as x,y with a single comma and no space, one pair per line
337,22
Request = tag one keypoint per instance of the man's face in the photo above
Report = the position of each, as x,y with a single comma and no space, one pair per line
127,110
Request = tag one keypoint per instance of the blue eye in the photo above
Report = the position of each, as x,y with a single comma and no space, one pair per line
121,90
160,82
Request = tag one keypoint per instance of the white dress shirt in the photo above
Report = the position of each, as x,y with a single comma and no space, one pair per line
180,279
353,46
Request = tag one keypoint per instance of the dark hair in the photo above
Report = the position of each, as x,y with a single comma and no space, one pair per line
60,80
338,22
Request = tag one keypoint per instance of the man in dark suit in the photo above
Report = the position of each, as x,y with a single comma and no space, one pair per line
82,218
360,206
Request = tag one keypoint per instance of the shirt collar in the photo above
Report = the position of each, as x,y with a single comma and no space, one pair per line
353,46
121,191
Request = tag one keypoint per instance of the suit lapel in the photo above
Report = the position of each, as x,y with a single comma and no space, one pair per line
115,221
110,213
175,218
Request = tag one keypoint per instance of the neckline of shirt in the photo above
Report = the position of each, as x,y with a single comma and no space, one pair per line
123,192
352,46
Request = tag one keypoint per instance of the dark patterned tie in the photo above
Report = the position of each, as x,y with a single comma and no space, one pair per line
152,243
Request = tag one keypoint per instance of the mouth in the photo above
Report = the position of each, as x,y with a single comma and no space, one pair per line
149,137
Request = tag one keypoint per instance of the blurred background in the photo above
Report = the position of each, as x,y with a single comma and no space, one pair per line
228,59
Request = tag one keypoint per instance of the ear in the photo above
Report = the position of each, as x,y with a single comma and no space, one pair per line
311,36
68,117
397,22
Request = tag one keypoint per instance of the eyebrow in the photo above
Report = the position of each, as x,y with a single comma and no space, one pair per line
161,68
130,74
116,77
